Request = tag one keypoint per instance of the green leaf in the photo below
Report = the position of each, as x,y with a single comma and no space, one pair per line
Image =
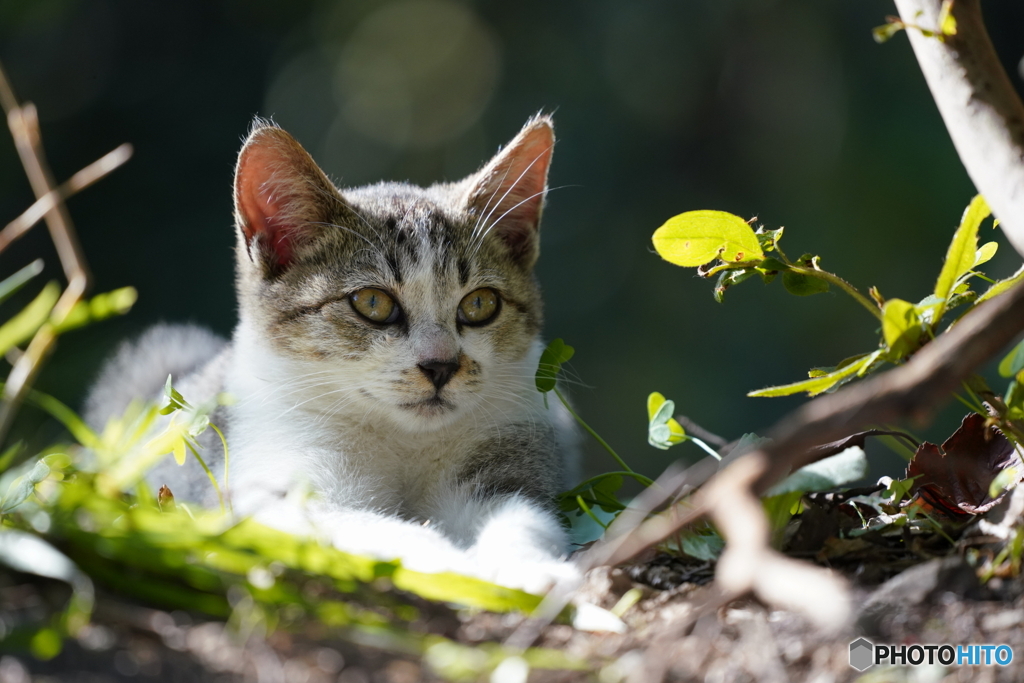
74,424
899,489
550,365
884,32
947,22
694,238
901,326
803,285
769,239
833,471
1013,362
731,277
817,385
604,493
1002,481
705,547
772,264
15,282
24,324
22,487
1003,285
963,250
663,431
985,253
100,307
779,510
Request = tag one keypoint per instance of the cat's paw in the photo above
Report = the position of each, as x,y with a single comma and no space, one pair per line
533,576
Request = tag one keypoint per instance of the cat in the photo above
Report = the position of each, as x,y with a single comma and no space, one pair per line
384,361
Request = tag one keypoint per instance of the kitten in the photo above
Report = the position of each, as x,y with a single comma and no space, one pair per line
384,359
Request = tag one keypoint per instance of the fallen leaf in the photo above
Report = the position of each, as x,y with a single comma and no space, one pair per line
955,478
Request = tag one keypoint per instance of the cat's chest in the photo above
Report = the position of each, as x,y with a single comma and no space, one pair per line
351,462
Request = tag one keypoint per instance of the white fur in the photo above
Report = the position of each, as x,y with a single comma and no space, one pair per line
384,487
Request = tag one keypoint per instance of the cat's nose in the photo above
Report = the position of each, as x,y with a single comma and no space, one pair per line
439,371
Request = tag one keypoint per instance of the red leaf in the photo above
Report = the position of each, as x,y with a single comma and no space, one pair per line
955,478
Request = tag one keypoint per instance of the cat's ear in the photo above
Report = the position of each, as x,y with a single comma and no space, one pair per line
281,197
506,196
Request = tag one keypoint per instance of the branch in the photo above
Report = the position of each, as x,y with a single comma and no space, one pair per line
981,109
24,125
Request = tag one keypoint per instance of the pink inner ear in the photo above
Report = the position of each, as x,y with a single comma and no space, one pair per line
512,195
260,199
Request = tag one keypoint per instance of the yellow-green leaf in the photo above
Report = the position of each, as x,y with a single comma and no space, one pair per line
963,249
23,325
1013,362
901,326
654,402
101,306
1002,286
985,253
886,31
179,451
947,22
816,385
694,238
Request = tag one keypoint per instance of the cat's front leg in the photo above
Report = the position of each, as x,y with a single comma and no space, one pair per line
510,539
420,547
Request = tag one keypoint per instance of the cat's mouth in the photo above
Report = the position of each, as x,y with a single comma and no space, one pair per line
434,405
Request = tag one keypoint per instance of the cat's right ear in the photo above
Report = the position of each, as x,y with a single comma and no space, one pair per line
281,197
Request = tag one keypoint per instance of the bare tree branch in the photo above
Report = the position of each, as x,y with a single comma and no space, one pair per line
981,109
24,125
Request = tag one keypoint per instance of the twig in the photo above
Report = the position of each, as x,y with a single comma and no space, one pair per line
692,427
81,180
24,125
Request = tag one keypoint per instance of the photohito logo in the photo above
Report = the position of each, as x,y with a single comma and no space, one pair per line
864,654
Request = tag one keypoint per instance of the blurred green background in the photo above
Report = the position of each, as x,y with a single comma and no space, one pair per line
784,109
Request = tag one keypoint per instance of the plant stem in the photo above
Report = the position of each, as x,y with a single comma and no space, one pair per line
834,279
711,451
611,451
213,479
583,486
583,505
224,443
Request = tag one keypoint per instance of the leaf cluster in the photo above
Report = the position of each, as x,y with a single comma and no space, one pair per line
719,243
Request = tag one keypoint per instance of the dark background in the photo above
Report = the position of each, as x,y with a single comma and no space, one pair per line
786,110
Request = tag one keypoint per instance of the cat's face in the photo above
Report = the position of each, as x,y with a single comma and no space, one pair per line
418,304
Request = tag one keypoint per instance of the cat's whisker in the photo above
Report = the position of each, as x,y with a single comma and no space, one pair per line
483,235
542,155
482,217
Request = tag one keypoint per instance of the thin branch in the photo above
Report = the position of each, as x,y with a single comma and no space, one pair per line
24,125
81,180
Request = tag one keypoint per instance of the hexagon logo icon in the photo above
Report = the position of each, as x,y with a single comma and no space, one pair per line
861,654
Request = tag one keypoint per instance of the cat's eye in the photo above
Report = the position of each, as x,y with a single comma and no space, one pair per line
375,305
479,306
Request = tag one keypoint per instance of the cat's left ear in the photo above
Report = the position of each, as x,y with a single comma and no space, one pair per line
506,197
282,198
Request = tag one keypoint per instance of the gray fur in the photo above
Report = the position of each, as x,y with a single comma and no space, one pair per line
139,368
